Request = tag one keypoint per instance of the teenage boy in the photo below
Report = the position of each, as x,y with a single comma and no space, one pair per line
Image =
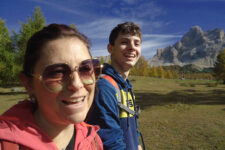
119,129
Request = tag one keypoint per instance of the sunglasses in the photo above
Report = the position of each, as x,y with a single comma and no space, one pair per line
58,76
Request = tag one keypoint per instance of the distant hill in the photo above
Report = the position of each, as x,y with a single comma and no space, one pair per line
196,48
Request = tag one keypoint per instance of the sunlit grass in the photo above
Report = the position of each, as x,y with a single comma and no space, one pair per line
176,117
11,96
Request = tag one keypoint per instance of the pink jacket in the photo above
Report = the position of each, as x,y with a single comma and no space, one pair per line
17,125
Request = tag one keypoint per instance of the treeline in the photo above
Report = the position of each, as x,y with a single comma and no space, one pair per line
12,46
170,72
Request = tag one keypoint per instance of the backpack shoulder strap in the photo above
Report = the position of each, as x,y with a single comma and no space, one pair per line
6,145
113,82
119,99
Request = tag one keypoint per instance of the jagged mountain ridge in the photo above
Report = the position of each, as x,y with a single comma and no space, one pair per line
196,47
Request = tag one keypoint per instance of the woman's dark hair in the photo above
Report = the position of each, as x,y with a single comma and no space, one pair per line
40,38
124,28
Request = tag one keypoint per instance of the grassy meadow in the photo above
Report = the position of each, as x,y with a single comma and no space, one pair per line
176,114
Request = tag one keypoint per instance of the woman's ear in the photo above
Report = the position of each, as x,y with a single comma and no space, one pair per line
26,82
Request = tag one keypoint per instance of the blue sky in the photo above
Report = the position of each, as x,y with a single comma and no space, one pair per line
163,22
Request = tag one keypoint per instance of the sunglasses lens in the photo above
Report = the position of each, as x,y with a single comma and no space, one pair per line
86,70
97,67
55,75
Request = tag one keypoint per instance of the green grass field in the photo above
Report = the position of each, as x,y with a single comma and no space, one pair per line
176,114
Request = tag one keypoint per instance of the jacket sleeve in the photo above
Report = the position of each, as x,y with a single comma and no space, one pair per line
105,114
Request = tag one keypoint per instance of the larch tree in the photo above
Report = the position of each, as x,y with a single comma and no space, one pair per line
161,72
219,67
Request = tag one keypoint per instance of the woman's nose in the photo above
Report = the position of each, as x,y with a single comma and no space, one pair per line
75,82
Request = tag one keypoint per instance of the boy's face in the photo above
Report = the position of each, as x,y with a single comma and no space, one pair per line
126,51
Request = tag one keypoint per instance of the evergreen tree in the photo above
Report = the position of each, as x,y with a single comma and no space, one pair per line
73,26
109,61
32,25
175,74
6,55
219,67
102,60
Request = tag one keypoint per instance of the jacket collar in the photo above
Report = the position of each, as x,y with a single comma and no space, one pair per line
109,70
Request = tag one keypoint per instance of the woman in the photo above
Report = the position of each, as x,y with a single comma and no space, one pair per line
59,76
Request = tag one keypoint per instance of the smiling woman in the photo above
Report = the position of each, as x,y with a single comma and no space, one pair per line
59,76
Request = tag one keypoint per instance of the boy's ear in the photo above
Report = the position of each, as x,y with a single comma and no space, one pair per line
109,47
26,82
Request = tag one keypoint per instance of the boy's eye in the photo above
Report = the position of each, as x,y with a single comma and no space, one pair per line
137,44
123,42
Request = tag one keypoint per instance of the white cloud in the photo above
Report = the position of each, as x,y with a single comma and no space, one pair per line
197,1
100,28
54,5
165,36
99,52
150,44
136,9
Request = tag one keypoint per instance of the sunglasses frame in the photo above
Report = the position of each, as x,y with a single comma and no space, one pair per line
76,68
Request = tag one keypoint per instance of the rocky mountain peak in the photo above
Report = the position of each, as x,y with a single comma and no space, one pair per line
195,47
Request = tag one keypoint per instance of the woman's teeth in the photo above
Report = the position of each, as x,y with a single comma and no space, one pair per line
72,101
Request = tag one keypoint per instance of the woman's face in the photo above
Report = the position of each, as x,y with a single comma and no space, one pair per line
72,101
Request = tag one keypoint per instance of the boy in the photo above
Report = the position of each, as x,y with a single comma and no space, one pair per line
119,129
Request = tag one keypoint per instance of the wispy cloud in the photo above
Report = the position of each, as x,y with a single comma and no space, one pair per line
150,44
163,36
60,7
99,52
100,28
197,1
134,9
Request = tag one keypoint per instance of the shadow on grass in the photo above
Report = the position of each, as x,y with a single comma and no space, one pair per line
12,93
213,97
11,85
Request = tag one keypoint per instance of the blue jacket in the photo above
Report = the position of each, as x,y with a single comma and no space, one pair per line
118,129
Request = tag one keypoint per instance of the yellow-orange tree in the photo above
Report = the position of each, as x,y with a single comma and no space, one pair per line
219,67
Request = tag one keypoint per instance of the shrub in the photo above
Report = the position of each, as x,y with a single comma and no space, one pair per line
192,85
211,85
184,84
